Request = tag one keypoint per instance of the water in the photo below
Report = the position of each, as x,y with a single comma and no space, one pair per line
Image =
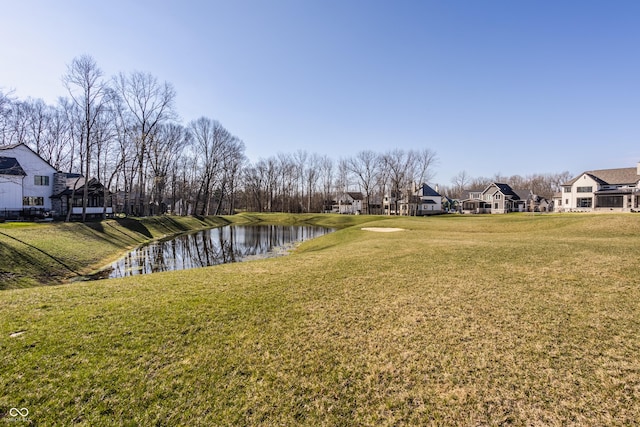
211,247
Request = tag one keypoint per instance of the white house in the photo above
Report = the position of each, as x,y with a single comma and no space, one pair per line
605,190
425,201
26,180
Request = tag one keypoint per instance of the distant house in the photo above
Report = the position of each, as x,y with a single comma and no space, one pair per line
495,198
605,190
32,188
474,203
537,203
69,193
424,201
391,203
26,182
349,203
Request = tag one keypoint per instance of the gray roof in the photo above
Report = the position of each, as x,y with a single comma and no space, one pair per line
355,195
10,166
10,146
427,191
611,176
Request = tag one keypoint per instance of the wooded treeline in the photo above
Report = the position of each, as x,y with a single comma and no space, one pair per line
125,131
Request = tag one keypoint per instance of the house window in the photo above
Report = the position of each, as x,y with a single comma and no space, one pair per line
567,189
41,180
495,206
497,196
33,201
585,202
584,189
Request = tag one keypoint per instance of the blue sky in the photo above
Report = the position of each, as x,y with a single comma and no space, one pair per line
509,87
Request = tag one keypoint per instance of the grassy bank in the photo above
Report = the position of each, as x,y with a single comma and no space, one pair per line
34,254
457,320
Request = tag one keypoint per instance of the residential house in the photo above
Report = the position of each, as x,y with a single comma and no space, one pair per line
424,201
495,198
69,192
474,203
30,187
349,203
391,202
537,203
26,182
605,190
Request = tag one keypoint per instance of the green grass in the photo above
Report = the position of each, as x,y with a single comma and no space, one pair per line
458,320
33,254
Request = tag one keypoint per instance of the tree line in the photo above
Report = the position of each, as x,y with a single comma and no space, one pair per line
125,131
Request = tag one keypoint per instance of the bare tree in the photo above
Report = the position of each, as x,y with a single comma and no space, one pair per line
232,165
214,145
426,161
365,167
150,104
326,171
17,123
89,92
163,150
5,110
399,166
286,172
56,147
460,183
312,175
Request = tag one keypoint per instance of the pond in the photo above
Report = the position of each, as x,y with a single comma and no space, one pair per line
232,243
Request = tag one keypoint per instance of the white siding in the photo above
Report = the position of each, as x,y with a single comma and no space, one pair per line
10,192
574,196
33,165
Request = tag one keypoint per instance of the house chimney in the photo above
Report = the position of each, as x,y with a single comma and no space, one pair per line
638,169
59,182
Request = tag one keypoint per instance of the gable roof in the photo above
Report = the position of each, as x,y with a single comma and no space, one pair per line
10,166
426,191
22,144
504,189
611,176
523,194
95,187
355,195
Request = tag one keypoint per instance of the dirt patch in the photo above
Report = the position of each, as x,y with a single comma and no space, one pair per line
382,229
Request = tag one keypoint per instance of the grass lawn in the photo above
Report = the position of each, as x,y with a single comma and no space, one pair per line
457,320
34,254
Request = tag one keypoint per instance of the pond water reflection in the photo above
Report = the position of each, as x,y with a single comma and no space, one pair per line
222,245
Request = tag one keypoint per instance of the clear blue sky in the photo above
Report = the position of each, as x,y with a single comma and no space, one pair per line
509,87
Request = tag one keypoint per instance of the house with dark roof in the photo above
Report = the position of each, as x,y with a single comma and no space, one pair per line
69,192
349,202
495,198
11,176
423,201
30,188
604,190
26,182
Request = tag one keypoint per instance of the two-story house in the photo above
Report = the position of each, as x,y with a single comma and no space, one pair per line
495,198
423,201
605,190
349,203
26,182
